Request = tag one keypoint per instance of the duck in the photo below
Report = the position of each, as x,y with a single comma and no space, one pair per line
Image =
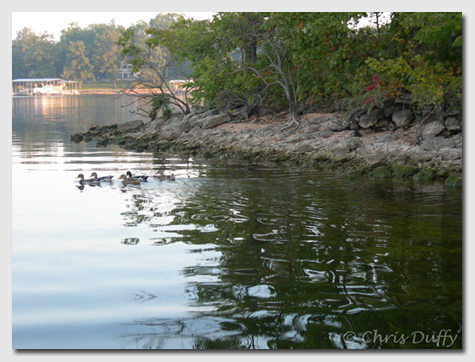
170,177
102,178
139,177
129,181
90,181
163,177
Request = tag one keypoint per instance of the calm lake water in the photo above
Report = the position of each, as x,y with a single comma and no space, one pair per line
230,255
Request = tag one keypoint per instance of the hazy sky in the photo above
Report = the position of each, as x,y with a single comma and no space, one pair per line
54,22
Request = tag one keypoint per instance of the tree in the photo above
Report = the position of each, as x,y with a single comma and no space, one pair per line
77,65
151,63
265,66
426,59
215,51
289,57
33,56
107,57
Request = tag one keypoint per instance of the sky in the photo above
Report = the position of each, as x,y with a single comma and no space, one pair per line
54,22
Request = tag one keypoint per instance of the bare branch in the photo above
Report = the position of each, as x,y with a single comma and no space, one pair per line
153,90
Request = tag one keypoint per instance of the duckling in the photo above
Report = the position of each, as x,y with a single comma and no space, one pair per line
89,181
102,178
170,177
129,181
163,177
141,177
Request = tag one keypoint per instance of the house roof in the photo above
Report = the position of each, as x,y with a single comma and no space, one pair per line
35,79
42,80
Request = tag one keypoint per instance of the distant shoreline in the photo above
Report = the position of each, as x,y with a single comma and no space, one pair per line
98,92
126,91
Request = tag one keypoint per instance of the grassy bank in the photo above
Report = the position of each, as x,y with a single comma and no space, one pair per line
106,85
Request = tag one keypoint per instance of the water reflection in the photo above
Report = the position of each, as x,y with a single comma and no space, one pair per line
41,122
297,261
230,255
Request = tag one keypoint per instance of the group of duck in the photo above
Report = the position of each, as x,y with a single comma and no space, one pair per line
127,179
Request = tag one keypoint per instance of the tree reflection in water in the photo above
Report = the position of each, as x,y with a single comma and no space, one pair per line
300,258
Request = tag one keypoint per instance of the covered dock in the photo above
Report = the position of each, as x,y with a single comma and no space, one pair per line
43,86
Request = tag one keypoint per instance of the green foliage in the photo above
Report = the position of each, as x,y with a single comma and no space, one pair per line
424,175
426,59
33,56
382,172
324,51
40,56
415,55
99,47
404,171
107,58
268,59
160,102
211,48
77,64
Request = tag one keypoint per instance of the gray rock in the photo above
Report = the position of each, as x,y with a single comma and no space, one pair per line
453,112
382,123
213,121
452,124
319,120
76,138
131,126
386,138
420,155
450,153
402,118
403,160
389,111
156,123
347,145
353,143
432,129
333,124
196,118
368,120
304,147
325,133
437,143
239,112
458,139
211,112
174,128
363,150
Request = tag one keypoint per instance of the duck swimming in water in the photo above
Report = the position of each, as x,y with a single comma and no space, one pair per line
102,178
89,181
163,177
129,181
137,177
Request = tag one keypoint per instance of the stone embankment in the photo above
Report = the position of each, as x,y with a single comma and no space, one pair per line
389,143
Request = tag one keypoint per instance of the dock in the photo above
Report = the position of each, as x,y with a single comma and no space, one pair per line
43,86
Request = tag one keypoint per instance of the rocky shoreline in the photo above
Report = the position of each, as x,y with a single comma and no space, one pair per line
389,143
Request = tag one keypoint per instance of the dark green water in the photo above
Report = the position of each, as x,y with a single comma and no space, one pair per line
230,255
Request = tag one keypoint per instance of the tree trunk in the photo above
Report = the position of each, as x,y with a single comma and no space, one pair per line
253,51
293,115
